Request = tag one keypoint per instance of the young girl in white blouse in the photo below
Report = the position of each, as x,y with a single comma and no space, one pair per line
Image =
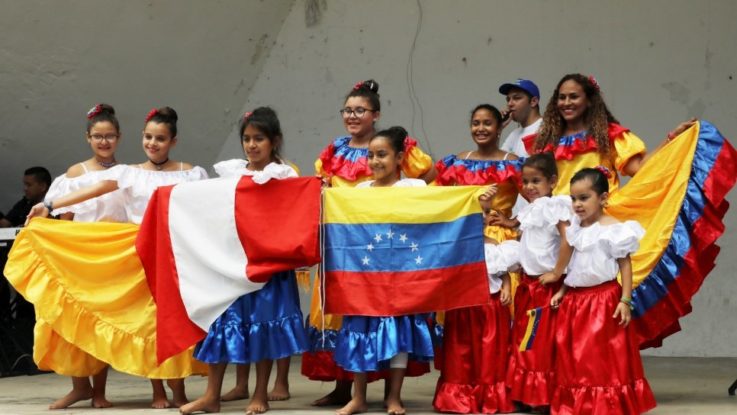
598,369
544,255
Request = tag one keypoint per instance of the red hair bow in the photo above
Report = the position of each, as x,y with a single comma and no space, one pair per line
151,114
594,83
357,86
247,115
94,111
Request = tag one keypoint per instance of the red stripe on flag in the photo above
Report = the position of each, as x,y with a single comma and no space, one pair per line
175,332
410,292
276,234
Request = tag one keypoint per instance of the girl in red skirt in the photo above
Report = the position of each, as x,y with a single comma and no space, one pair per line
544,255
477,339
598,369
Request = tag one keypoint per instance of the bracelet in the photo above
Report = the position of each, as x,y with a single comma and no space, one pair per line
49,205
627,301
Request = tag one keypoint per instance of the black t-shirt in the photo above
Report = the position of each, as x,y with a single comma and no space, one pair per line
17,215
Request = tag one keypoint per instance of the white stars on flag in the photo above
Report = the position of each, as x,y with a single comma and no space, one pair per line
387,247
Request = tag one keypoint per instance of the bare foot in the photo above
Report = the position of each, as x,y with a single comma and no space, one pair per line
160,403
395,407
334,398
353,407
257,406
177,403
71,398
100,402
235,394
279,393
203,404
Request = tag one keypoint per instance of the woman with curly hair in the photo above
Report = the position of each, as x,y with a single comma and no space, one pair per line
581,132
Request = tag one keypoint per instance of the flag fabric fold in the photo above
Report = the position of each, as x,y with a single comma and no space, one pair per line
396,251
213,241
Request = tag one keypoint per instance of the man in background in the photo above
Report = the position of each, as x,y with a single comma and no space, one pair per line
36,182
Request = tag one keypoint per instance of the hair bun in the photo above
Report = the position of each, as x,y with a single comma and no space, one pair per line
372,86
107,108
169,113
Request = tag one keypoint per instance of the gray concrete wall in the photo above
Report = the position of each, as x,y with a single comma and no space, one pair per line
658,62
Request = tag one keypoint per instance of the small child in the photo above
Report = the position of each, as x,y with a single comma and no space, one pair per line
405,336
598,369
544,255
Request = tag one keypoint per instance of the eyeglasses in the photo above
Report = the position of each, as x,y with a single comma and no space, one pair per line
358,112
107,137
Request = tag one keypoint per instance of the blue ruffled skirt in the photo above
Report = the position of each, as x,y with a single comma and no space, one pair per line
367,344
265,324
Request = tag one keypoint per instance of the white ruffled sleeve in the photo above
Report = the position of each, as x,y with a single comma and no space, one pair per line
546,212
501,258
230,168
63,185
274,171
622,239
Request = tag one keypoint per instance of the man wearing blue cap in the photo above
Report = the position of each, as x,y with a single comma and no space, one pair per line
523,106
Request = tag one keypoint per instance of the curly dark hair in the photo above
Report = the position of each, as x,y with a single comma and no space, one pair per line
596,118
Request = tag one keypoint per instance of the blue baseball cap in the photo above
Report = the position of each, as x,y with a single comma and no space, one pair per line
523,84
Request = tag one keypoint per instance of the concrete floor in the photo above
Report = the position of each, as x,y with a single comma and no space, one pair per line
681,386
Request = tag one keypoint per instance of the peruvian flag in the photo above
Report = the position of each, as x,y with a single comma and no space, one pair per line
204,244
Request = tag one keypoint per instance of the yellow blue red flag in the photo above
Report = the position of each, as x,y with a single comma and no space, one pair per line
395,251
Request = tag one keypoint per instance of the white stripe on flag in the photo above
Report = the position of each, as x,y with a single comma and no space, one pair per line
210,259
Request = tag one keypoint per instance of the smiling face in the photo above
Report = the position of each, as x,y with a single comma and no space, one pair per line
384,161
103,138
572,102
484,128
157,141
535,185
587,204
257,146
355,125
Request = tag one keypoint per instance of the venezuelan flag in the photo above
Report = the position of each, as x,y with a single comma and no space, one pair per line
395,251
535,316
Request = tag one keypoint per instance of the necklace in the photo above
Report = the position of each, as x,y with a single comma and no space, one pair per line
107,164
159,165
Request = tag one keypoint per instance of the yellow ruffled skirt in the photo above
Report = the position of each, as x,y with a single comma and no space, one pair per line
93,304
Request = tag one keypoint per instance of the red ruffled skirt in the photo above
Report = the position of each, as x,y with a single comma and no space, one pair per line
598,367
475,352
530,373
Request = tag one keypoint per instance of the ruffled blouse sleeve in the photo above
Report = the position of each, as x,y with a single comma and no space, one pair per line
546,213
501,258
230,168
64,185
416,162
622,239
626,145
